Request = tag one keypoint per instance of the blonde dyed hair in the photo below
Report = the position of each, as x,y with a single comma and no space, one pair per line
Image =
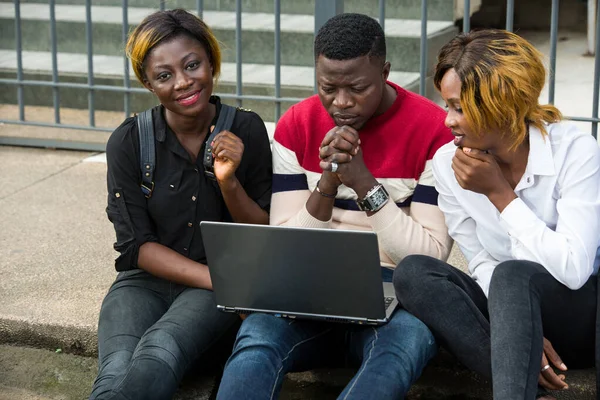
163,26
502,76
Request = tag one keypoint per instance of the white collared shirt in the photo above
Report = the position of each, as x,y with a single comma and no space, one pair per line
554,221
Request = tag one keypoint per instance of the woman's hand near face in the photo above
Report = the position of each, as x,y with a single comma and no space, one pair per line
479,172
227,151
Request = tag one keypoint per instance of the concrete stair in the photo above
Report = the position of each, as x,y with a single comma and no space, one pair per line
438,9
297,25
259,79
297,31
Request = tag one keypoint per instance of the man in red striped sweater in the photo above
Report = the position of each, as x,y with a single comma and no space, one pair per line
355,156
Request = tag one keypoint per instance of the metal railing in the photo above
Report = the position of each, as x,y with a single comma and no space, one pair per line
324,9
510,11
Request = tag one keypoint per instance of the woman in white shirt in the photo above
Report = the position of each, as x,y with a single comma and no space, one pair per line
520,192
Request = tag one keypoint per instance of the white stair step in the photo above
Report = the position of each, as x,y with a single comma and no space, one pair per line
112,67
217,19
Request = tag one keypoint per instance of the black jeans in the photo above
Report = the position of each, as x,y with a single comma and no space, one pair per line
501,338
150,332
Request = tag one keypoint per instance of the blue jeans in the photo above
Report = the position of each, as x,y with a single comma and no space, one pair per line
390,357
150,332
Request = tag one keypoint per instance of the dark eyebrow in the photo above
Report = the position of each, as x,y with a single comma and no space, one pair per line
189,55
165,66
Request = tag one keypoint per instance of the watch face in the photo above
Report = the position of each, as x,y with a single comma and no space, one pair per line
374,200
378,197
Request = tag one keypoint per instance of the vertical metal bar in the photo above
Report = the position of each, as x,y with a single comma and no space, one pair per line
591,26
510,15
19,46
324,10
55,90
596,76
553,44
161,5
277,59
90,60
238,50
423,64
199,8
467,16
382,14
126,82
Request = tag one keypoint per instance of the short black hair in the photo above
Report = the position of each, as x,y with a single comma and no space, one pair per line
349,36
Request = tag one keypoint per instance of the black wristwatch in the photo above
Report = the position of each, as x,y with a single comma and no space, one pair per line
374,200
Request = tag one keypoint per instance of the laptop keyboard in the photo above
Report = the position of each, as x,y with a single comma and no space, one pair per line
388,301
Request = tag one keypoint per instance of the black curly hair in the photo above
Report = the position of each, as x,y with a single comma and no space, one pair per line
349,36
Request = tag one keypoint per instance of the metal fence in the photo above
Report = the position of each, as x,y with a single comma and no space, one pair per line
324,9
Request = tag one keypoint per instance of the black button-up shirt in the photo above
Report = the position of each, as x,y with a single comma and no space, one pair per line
183,195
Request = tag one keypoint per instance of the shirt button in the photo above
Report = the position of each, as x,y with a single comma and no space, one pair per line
190,224
185,248
528,179
193,198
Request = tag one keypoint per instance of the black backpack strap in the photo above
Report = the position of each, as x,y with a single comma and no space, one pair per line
224,123
147,151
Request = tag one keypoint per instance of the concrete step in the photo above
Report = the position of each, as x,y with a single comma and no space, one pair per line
44,374
297,33
258,79
438,9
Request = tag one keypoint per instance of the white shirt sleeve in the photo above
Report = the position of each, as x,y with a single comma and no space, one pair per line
462,228
567,252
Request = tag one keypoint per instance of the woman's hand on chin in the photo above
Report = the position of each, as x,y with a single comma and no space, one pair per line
478,171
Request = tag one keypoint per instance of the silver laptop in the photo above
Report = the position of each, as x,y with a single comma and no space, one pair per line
326,274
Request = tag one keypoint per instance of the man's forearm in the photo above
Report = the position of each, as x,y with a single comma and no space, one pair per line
321,201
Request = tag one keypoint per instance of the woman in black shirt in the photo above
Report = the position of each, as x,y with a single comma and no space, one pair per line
160,316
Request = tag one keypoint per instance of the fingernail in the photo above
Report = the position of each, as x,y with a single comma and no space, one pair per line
466,149
563,366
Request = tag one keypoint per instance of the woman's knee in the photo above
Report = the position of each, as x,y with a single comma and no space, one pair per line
513,272
411,270
415,277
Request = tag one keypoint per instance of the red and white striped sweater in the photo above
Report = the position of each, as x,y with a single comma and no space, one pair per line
397,146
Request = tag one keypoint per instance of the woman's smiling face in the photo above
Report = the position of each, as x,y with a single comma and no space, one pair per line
180,74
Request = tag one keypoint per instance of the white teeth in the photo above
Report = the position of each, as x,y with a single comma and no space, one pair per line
187,98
